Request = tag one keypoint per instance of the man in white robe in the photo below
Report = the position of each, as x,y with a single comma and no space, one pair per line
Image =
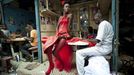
103,45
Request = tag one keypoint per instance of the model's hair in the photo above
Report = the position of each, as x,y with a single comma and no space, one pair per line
66,3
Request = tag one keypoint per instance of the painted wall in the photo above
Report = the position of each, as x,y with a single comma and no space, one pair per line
17,18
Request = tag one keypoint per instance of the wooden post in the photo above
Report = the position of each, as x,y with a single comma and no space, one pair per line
38,30
115,21
1,12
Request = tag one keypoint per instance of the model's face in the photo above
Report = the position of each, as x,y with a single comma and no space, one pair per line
66,8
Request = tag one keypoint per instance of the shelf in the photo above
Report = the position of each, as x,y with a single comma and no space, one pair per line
48,12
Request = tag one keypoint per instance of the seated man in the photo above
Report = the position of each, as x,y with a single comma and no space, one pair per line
6,44
5,31
103,47
3,39
32,42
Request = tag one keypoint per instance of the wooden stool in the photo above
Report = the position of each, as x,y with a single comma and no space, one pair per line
33,50
6,65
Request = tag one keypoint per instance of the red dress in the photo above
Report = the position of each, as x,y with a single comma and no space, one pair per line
62,31
66,52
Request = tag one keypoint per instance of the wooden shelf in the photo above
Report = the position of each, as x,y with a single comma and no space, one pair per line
45,12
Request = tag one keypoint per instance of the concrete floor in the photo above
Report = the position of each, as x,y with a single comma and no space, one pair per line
37,69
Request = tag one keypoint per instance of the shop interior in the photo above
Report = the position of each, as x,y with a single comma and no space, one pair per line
126,35
15,14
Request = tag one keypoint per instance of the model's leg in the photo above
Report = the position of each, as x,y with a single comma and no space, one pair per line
51,64
58,47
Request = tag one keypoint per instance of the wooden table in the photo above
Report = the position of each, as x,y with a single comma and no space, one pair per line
17,40
76,45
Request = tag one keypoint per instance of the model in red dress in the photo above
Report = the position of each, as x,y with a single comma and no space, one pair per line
57,45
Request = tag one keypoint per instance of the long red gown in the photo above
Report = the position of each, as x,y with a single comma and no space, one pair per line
66,52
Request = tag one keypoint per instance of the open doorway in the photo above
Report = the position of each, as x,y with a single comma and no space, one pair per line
126,36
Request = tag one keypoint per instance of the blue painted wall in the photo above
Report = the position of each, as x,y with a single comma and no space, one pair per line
19,16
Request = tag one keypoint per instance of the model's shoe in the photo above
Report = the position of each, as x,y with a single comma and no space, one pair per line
51,67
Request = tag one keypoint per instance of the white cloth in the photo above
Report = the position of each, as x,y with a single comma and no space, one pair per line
98,65
105,35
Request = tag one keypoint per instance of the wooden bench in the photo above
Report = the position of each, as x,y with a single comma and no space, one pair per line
6,65
33,50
